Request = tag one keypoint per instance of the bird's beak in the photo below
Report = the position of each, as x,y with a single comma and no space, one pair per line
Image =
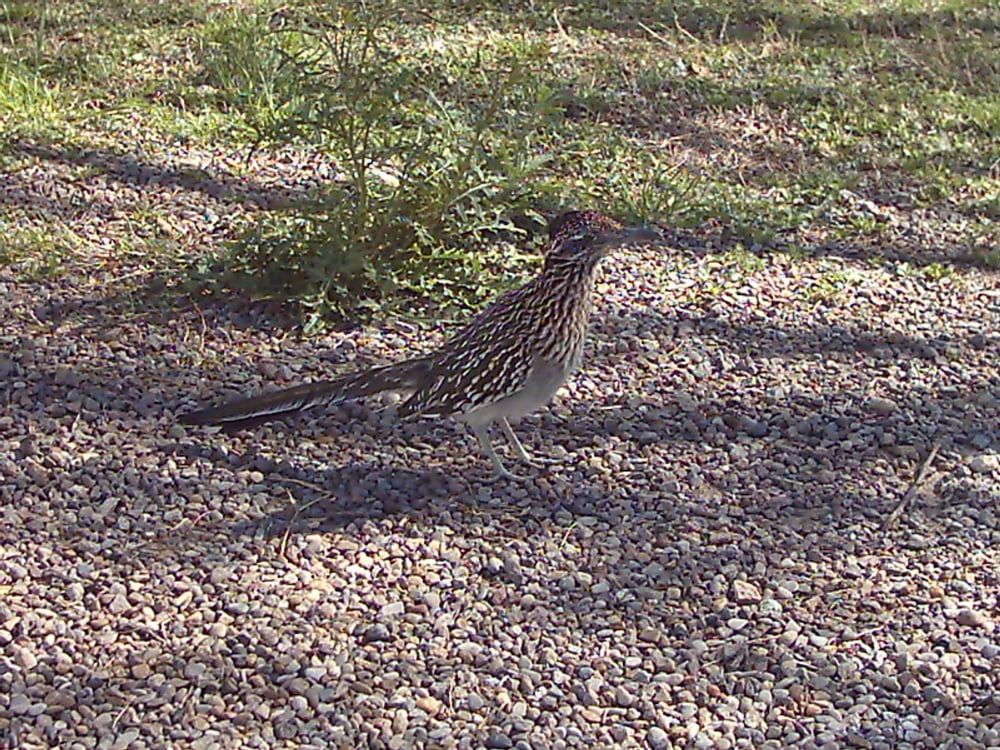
630,236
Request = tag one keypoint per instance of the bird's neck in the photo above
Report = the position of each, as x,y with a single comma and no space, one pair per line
571,282
572,272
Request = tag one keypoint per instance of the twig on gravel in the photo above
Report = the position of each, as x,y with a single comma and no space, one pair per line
565,538
159,536
311,485
298,508
555,18
204,326
114,280
890,522
129,700
658,37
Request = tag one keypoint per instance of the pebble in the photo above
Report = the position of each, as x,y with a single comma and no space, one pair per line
392,609
499,741
125,738
24,658
881,406
745,592
752,427
74,592
650,635
428,703
623,697
770,607
474,702
19,704
657,739
512,572
376,634
985,463
972,618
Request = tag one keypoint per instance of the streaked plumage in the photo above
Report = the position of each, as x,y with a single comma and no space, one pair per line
508,361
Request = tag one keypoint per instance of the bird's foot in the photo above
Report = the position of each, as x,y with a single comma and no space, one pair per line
537,463
506,474
502,472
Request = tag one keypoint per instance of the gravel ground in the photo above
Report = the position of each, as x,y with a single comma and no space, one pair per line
772,520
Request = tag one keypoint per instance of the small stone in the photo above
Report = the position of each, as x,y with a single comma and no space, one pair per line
657,739
623,697
601,587
981,440
881,406
392,609
125,739
512,569
932,694
972,618
985,463
950,660
428,703
649,635
315,674
752,427
745,592
770,607
698,647
619,733
19,704
118,604
400,721
24,658
376,634
474,702
737,623
75,592
60,699
499,741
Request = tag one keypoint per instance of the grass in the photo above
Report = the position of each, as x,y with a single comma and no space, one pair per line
805,127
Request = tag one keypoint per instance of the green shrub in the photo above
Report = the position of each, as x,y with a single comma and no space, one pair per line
428,179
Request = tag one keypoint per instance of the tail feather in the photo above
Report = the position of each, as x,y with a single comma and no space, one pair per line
402,376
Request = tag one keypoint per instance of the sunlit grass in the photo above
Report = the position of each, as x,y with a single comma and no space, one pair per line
758,117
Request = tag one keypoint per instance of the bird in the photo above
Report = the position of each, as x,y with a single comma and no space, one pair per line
508,361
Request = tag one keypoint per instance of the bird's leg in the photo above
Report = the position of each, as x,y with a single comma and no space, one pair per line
519,449
499,470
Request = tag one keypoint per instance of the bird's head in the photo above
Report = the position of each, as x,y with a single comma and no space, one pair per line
584,237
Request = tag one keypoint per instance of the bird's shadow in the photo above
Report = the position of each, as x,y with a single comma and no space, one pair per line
305,498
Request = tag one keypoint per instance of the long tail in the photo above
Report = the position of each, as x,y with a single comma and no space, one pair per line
402,376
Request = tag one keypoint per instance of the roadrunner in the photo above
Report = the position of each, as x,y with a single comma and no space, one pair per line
508,361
